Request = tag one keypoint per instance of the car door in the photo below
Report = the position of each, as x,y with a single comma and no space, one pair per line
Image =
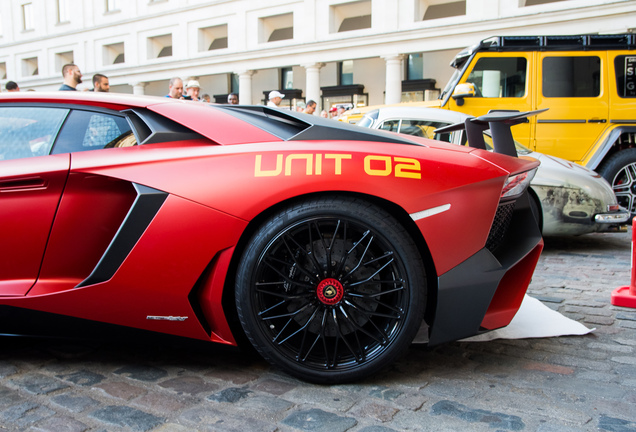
573,87
502,81
31,184
92,207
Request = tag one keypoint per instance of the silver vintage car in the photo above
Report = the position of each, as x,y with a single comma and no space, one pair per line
568,199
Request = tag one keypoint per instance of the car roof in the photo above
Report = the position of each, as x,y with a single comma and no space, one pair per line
242,123
115,101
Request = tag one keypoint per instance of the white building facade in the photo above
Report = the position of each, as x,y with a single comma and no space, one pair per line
331,51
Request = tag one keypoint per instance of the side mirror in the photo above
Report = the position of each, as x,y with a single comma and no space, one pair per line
462,91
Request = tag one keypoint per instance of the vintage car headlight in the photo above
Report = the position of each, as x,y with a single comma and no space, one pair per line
516,184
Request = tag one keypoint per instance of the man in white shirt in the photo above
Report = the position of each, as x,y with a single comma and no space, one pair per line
275,97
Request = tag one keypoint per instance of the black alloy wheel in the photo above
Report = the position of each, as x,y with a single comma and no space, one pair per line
331,290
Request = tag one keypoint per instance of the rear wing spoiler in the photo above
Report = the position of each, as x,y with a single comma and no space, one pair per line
499,122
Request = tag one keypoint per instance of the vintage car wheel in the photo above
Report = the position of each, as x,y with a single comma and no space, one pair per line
620,171
331,290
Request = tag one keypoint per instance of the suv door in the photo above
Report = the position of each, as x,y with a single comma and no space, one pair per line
573,87
31,183
502,81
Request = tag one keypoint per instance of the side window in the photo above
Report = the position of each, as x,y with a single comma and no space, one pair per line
390,125
625,67
497,77
87,130
28,131
424,128
571,77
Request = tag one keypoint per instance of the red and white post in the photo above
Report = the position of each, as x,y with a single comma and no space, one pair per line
626,296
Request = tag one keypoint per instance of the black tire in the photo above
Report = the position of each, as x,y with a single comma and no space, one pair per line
331,290
620,171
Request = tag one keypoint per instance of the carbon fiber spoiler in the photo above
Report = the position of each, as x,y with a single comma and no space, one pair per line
499,122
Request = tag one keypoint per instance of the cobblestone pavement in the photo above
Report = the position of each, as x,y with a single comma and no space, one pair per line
584,383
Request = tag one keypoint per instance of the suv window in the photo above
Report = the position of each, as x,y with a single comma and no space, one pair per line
86,130
625,67
496,77
571,76
28,131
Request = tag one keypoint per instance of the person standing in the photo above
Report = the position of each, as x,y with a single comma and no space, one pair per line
232,99
275,97
100,83
12,86
72,77
192,90
310,108
175,88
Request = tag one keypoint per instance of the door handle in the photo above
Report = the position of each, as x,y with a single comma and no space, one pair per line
596,120
22,184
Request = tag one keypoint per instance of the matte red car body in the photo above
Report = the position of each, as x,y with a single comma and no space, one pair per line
71,206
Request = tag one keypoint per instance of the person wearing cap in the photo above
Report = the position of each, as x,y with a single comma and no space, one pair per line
192,90
275,97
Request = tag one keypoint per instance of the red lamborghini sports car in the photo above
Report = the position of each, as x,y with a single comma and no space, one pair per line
327,246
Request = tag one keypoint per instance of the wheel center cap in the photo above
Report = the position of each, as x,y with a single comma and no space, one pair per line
330,291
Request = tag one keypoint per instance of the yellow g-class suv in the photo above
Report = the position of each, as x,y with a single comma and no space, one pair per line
588,82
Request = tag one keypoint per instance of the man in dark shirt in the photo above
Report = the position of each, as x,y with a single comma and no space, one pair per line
101,83
72,77
175,88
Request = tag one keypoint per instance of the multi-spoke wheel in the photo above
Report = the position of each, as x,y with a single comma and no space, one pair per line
620,171
331,290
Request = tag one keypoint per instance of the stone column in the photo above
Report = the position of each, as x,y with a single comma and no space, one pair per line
394,68
312,87
138,88
245,86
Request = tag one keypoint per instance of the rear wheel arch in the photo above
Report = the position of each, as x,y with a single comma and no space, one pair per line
331,289
229,299
614,140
